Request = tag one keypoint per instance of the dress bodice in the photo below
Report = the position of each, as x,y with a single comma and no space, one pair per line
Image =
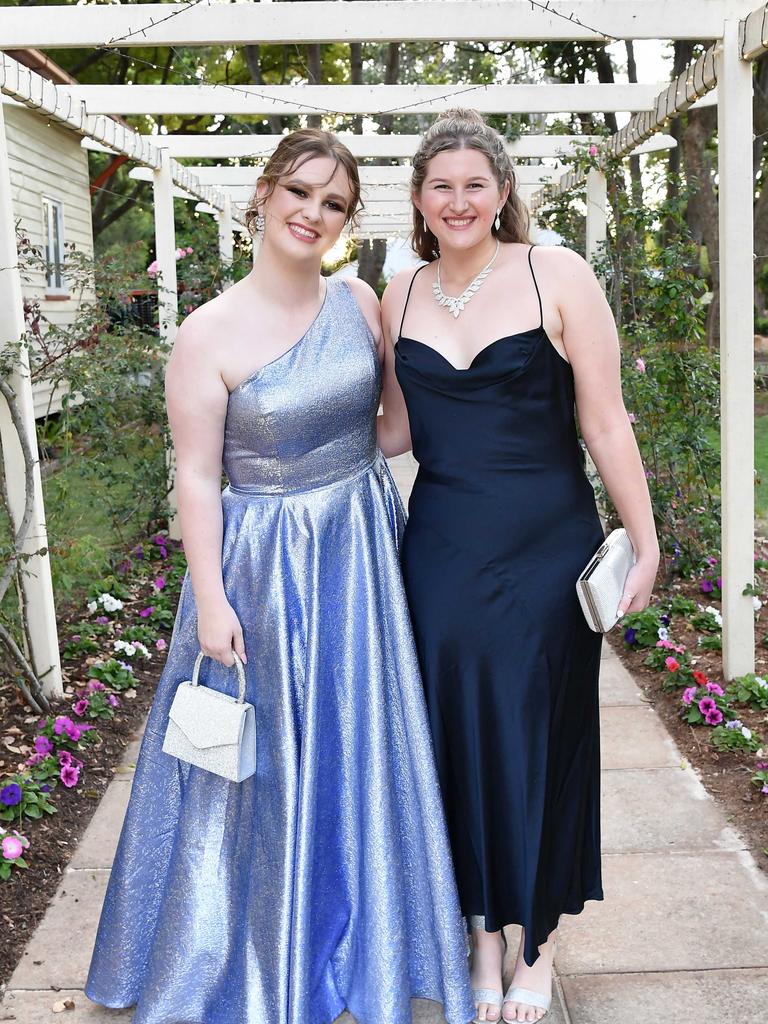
308,418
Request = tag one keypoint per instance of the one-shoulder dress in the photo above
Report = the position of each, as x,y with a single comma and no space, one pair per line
502,520
324,881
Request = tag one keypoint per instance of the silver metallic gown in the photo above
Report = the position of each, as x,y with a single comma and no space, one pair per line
324,881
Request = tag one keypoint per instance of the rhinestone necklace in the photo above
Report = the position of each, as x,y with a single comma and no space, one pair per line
457,304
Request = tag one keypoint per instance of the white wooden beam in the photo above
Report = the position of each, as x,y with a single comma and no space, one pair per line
737,420
36,570
597,222
205,24
370,177
40,94
754,34
221,147
342,100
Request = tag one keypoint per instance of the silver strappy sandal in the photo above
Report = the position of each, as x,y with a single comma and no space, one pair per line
527,996
492,997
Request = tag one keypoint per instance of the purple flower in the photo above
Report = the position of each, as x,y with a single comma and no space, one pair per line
80,707
65,758
101,619
43,745
161,644
11,794
761,766
94,684
630,634
705,586
113,701
74,732
719,582
146,612
75,637
61,724
688,695
35,760
735,724
706,704
45,789
126,665
712,560
714,717
765,789
716,688
664,620
69,775
138,552
159,583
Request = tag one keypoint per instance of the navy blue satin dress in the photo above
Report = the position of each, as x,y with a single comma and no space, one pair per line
502,519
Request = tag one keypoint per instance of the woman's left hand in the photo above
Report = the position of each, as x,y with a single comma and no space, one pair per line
639,585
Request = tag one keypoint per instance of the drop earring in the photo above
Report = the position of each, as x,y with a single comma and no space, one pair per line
497,222
260,223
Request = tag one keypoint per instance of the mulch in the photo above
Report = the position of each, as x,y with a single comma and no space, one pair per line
24,898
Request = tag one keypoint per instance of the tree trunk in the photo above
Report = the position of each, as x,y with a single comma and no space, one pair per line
683,57
356,78
635,173
702,211
370,260
314,67
253,62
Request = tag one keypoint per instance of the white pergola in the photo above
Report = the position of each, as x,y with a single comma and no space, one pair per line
741,35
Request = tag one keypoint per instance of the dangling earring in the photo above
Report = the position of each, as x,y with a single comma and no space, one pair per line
260,223
497,222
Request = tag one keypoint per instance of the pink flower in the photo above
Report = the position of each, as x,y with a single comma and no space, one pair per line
153,269
80,707
12,848
69,775
714,717
631,417
43,745
159,583
672,664
689,694
640,365
146,612
113,701
35,760
706,704
61,724
190,250
161,644
94,684
593,150
716,688
65,758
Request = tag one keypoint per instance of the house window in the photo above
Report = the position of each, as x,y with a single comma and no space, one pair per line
53,222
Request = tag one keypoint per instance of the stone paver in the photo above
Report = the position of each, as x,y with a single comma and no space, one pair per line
680,936
722,996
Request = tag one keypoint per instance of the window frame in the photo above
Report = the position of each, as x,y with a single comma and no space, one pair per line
56,286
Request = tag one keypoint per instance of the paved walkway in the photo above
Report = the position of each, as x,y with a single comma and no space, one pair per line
682,935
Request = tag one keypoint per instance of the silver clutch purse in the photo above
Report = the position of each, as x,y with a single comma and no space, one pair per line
601,584
213,730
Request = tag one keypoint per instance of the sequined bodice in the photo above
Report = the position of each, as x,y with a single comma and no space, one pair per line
308,418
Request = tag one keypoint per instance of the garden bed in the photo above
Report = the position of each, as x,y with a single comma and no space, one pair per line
737,778
107,689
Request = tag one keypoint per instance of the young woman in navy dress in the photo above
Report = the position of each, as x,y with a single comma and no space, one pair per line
491,345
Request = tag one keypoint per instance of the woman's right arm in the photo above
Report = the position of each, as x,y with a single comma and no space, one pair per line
197,398
393,428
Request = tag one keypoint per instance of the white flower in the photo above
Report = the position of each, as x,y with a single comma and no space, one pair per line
110,603
92,606
715,613
663,633
757,604
128,649
746,733
140,647
761,682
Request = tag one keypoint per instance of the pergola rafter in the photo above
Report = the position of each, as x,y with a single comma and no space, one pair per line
741,37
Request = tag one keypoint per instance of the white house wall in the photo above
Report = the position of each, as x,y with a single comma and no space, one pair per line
47,160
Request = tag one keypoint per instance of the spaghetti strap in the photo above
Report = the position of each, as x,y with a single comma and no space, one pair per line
535,285
407,297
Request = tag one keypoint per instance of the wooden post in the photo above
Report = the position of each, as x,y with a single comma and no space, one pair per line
597,224
226,247
737,423
36,572
167,293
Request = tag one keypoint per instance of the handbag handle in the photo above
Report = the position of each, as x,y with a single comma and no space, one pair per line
238,666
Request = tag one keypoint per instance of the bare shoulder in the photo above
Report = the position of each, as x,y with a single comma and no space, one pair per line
561,262
397,289
198,336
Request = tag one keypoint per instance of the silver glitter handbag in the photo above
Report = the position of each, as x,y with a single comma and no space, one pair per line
211,729
601,584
